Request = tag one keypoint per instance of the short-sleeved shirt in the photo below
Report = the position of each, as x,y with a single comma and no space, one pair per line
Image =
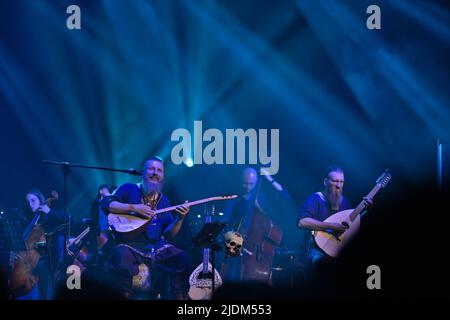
153,234
317,207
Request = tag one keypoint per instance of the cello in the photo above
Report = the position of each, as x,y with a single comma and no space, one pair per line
262,240
22,280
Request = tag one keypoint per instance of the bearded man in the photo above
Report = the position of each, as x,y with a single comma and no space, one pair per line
320,205
149,246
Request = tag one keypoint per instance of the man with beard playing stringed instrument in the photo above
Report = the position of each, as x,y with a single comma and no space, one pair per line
148,245
321,205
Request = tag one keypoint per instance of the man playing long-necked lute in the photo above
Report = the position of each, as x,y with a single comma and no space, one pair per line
321,205
150,245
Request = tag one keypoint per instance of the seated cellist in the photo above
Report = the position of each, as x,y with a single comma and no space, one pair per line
31,270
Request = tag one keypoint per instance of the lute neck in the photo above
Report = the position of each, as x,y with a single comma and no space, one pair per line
206,250
194,203
205,260
361,206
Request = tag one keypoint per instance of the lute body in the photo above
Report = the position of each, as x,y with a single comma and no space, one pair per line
200,281
333,244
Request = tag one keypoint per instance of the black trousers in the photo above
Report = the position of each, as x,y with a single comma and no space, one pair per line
123,263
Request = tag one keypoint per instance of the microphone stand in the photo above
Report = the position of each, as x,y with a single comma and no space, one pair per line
65,166
48,244
66,171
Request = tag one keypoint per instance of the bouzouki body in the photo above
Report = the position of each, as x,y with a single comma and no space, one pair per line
200,281
332,244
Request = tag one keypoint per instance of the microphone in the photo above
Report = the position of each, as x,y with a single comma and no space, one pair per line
275,184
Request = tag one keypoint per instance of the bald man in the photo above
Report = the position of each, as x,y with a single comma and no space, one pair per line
237,212
249,180
238,215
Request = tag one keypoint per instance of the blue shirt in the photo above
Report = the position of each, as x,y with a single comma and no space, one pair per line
317,207
150,236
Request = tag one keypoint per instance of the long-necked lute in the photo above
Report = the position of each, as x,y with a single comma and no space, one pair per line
331,243
127,222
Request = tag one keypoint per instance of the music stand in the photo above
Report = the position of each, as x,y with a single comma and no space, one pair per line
65,166
11,237
206,238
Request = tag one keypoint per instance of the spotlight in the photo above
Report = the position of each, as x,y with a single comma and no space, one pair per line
189,162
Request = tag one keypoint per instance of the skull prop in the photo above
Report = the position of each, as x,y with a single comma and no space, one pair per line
233,243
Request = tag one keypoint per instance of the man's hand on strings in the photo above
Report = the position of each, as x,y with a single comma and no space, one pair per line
143,209
368,202
182,210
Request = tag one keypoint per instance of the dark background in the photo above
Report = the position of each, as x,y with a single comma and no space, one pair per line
112,93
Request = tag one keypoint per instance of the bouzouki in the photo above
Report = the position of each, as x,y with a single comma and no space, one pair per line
332,243
200,280
127,222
